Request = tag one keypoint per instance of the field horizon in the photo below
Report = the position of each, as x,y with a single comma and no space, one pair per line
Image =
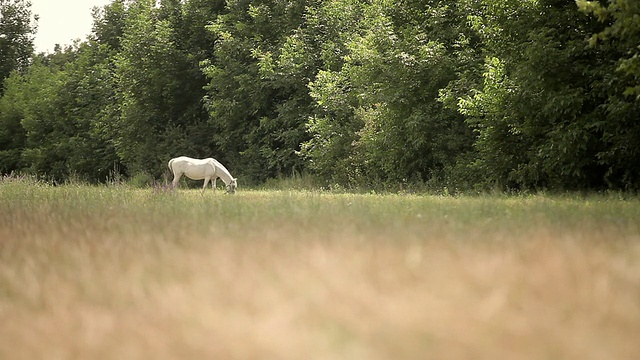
113,272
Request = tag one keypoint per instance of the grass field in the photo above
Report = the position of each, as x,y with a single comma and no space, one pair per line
121,273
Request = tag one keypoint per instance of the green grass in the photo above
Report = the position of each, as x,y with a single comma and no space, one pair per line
117,272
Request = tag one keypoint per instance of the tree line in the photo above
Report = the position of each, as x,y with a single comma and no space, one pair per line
467,94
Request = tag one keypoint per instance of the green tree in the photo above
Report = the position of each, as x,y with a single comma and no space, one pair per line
257,110
88,104
379,116
57,115
37,99
618,81
17,32
159,88
333,125
543,111
12,134
108,24
621,32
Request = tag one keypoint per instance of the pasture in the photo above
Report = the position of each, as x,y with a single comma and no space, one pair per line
120,273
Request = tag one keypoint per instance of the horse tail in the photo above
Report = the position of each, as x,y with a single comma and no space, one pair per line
169,165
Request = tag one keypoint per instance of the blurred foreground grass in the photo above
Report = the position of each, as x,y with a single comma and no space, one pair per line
116,272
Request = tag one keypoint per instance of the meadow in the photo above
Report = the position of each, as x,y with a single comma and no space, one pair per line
114,272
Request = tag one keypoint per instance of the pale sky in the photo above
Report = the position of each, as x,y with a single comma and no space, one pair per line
62,21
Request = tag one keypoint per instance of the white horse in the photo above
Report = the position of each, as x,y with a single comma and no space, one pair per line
198,169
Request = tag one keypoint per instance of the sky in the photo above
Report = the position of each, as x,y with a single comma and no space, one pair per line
62,21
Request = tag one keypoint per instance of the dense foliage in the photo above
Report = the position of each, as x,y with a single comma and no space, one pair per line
467,94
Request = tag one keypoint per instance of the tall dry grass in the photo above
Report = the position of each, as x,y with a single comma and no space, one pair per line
116,273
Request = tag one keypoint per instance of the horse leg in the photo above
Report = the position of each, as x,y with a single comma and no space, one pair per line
206,181
213,185
176,179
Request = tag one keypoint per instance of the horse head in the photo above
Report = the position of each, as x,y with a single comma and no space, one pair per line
232,185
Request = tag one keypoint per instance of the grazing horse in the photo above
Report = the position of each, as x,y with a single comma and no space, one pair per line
198,169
